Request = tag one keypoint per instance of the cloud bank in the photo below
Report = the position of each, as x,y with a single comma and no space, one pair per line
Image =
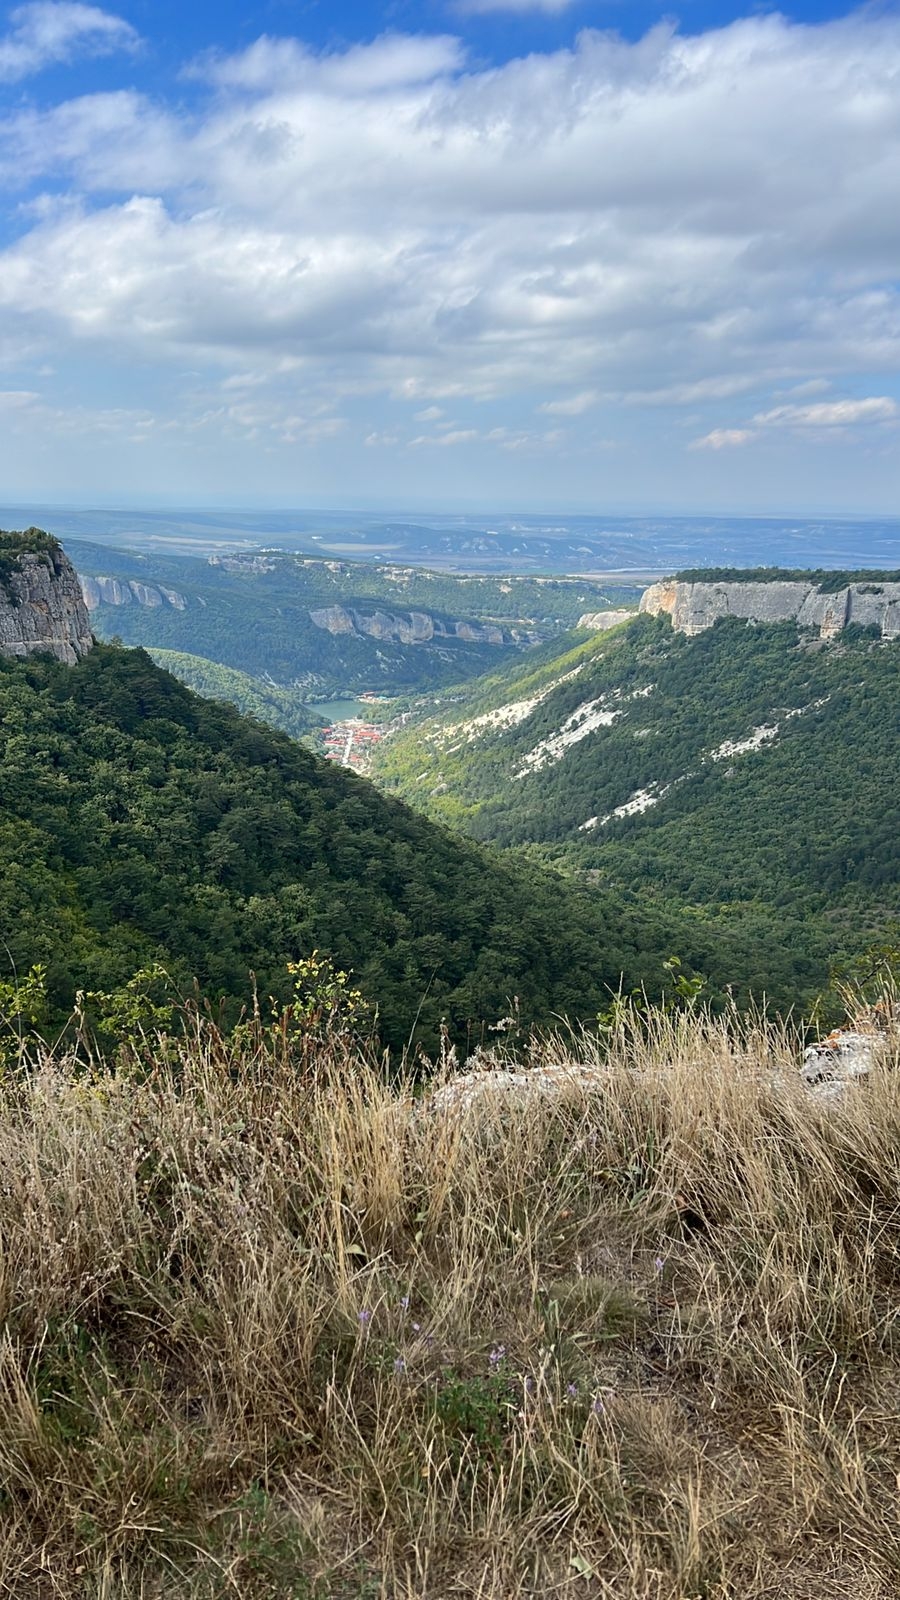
688,225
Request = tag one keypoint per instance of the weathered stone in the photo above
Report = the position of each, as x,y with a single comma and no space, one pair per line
106,591
414,627
695,606
827,1071
841,1059
42,609
493,1085
599,621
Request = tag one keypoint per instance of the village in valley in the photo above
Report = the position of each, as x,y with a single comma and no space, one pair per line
350,741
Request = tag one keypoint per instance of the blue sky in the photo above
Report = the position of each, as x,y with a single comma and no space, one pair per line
501,253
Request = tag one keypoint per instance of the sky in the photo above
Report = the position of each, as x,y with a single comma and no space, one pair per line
511,254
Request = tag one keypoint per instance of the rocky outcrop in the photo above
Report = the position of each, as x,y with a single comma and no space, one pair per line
41,606
828,1070
413,627
845,1057
695,606
598,621
103,591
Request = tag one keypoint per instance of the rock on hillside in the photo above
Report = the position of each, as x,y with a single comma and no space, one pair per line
599,621
106,591
416,627
695,606
41,605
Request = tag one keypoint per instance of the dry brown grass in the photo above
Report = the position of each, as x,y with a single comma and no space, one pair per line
271,1330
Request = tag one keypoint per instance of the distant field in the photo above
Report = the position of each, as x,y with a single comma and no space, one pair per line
491,542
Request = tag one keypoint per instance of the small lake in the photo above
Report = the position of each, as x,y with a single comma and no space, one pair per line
341,710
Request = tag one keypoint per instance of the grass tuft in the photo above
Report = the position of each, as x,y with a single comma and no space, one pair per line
274,1328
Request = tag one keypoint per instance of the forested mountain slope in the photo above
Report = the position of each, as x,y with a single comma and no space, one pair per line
329,625
139,823
277,704
748,776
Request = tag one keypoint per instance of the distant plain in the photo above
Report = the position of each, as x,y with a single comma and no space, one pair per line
642,547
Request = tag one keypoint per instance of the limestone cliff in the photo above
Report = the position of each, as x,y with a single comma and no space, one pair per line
599,621
695,606
414,627
103,591
41,605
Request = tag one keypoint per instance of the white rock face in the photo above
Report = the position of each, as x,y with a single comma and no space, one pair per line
494,1085
585,719
415,627
103,591
739,747
695,606
41,609
827,1071
508,716
599,621
841,1059
502,717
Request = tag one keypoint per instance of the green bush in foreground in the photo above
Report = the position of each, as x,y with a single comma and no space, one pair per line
272,1327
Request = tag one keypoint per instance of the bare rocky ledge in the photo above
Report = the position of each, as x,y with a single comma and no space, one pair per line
415,627
41,605
695,606
104,591
600,621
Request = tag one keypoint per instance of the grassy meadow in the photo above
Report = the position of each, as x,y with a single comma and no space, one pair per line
274,1327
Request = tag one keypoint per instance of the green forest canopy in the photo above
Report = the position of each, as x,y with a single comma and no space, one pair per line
825,579
139,823
779,859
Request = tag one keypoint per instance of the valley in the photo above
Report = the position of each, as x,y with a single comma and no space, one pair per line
318,627
663,759
742,777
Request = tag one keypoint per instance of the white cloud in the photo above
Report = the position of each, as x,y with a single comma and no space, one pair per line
456,436
723,439
811,386
565,220
575,406
688,394
661,224
47,32
390,62
831,413
17,399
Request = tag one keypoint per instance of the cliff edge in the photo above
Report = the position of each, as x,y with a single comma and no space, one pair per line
694,606
41,605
